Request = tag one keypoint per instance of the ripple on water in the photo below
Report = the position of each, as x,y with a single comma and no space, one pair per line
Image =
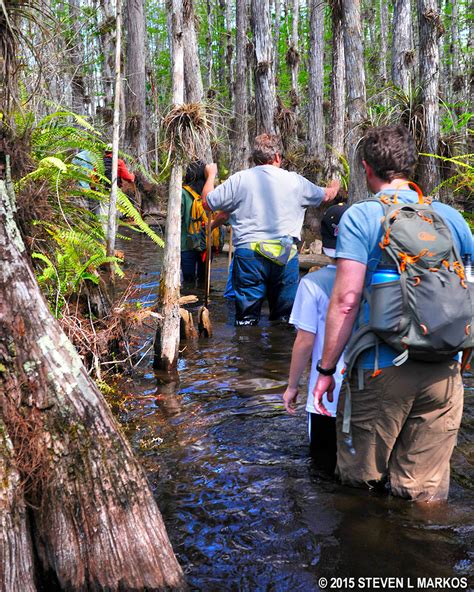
244,506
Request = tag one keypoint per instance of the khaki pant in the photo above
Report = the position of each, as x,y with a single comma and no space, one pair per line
404,425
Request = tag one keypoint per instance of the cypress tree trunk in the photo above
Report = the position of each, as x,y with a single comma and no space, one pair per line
276,37
240,153
75,49
107,43
94,522
112,215
403,54
431,28
221,26
470,51
338,91
135,89
355,80
168,338
229,54
193,87
16,550
383,9
209,51
456,78
293,55
265,99
316,80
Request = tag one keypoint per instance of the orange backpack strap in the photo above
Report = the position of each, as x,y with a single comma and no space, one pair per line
421,199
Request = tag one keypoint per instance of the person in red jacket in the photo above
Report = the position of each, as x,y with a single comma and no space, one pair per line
123,174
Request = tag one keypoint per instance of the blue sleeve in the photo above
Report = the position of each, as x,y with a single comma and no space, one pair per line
459,227
466,239
358,232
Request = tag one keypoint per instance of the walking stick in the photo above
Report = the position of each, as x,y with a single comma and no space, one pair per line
208,259
204,321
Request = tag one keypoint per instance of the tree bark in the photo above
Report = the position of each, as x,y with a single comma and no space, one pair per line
356,99
316,80
75,50
229,54
431,28
265,99
239,156
135,89
293,55
221,26
456,83
193,87
95,524
107,43
338,92
383,9
16,551
403,53
276,37
112,214
209,51
166,356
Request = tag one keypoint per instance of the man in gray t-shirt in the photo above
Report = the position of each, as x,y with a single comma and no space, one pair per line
266,206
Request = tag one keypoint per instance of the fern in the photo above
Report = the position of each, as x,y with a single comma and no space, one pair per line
74,248
126,207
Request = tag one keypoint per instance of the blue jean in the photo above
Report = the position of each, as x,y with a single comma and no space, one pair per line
255,278
192,266
229,288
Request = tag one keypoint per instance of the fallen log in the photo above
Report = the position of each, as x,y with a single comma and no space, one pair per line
306,262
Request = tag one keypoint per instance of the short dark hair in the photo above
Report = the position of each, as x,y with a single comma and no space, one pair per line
265,148
195,175
390,151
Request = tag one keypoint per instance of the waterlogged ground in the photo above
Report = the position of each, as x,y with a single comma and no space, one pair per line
244,507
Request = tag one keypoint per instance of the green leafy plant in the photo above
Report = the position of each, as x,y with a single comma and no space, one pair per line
69,247
462,181
74,258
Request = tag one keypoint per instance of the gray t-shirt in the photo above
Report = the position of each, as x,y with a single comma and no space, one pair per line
265,202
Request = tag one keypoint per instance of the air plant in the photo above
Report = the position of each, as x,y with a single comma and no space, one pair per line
187,131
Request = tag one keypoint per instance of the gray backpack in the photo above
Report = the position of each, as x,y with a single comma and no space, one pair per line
426,312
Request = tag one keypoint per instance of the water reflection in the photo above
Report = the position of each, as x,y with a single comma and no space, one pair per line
244,506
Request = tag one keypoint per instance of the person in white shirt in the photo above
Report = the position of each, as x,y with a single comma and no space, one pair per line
309,316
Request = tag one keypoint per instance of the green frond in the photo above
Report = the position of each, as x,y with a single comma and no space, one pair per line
43,258
126,207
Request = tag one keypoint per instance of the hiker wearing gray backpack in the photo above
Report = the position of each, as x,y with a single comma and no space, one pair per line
402,308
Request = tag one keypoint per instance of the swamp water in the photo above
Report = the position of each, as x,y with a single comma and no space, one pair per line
244,507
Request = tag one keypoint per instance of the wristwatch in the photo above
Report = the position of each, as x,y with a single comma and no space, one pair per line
325,371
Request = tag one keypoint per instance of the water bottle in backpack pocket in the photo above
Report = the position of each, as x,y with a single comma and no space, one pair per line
386,301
